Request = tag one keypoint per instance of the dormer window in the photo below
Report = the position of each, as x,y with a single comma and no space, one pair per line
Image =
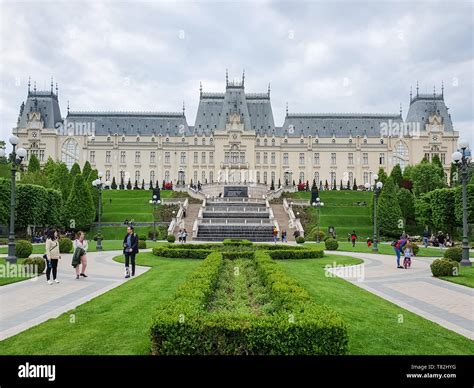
350,140
365,141
301,140
381,141
153,138
333,140
138,137
123,137
108,138
204,140
167,139
195,141
211,140
183,140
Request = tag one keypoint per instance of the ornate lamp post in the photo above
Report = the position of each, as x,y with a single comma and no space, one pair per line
17,157
377,189
154,201
99,185
462,159
318,204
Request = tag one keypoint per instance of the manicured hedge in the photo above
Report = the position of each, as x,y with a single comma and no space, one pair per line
297,327
233,241
277,247
444,267
300,239
331,244
141,244
296,254
171,238
181,253
23,249
454,253
65,245
39,262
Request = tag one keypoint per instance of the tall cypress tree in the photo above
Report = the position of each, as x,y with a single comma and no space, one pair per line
86,170
33,164
397,175
79,210
382,175
389,214
75,170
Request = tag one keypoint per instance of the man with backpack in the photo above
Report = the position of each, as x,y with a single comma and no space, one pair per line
398,246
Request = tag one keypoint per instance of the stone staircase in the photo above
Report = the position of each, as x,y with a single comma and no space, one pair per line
283,221
188,222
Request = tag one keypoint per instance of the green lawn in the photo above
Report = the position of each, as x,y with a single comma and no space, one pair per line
465,277
107,245
8,280
372,321
110,324
340,210
115,323
386,249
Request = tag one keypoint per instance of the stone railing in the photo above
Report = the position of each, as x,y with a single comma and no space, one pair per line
298,202
294,222
178,220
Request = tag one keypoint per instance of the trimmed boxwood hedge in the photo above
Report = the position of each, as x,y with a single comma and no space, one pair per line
181,253
65,245
296,254
233,241
235,255
23,249
331,244
454,253
39,262
444,267
298,327
141,244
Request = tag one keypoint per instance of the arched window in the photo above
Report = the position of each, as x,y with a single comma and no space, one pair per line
167,176
400,155
70,152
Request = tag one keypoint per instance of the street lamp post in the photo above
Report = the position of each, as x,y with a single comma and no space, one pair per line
99,185
17,157
462,160
155,201
318,204
377,189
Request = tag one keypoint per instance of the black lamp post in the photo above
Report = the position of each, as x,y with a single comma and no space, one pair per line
155,201
99,185
377,189
16,158
462,159
318,204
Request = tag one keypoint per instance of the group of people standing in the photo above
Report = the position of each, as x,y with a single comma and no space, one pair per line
440,240
275,235
182,234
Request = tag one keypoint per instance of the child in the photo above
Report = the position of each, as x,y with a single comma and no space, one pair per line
408,255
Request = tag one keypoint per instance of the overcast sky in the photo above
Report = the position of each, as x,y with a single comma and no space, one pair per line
318,56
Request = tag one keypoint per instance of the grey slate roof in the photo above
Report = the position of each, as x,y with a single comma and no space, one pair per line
44,102
424,105
132,123
337,124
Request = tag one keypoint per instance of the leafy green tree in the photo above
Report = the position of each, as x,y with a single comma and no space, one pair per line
49,168
354,187
426,177
423,210
442,209
113,185
31,205
382,175
5,191
61,180
453,175
93,175
406,200
35,178
389,214
33,164
407,172
397,175
79,210
75,170
458,204
54,206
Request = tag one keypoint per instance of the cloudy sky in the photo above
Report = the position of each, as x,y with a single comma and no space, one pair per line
342,56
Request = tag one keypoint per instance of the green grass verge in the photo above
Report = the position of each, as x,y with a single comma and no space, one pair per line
372,321
4,279
385,249
465,277
115,323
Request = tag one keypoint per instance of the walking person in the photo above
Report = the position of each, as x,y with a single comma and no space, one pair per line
180,236
80,245
441,240
283,236
275,234
185,234
398,246
426,235
130,249
353,238
52,256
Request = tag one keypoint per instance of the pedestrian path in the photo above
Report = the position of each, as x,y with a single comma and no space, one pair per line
30,302
415,289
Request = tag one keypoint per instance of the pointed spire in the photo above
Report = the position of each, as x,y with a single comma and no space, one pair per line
226,77
200,89
29,84
434,90
184,109
34,87
417,88
411,93
68,107
401,109
56,89
269,89
243,77
52,84
287,109
442,89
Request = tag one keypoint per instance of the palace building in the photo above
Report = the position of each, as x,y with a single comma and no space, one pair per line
235,139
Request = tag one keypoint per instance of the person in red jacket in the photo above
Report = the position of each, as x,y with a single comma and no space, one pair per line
353,238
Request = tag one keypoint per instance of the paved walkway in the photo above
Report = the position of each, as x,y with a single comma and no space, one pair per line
30,302
415,289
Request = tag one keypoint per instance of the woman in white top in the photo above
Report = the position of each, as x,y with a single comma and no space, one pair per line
81,242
